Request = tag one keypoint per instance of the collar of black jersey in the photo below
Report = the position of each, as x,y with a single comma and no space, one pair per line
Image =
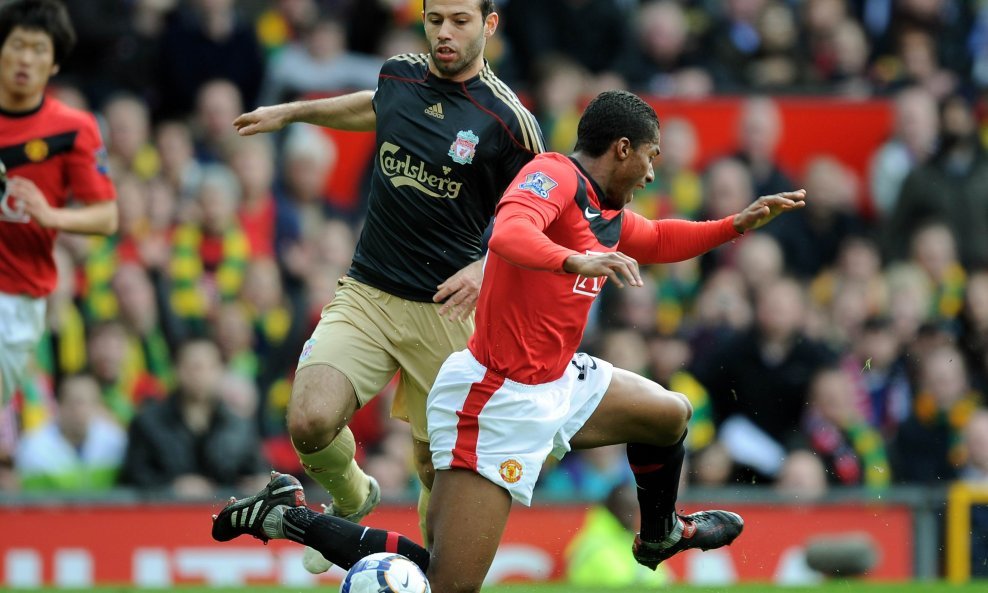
27,113
439,80
607,231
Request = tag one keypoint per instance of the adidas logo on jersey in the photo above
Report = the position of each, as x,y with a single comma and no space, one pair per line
435,111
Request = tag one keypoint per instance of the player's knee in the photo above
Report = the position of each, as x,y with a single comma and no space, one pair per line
316,415
674,416
681,410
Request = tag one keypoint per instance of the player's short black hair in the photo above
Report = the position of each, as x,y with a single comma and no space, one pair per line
48,16
486,7
613,115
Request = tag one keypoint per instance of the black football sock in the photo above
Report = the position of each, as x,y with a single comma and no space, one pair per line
344,543
657,471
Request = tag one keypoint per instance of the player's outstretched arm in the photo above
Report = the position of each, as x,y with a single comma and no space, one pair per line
765,208
354,111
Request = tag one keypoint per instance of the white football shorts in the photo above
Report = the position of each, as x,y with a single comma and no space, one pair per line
22,323
504,430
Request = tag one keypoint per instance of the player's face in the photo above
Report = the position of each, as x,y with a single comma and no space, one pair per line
27,61
457,33
633,172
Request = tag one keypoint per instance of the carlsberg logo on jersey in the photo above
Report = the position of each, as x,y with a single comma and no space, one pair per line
403,171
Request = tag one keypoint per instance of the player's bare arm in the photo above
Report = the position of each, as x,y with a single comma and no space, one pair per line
616,266
764,209
460,291
93,219
353,111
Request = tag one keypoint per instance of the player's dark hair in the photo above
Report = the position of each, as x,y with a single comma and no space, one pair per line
48,16
486,7
613,115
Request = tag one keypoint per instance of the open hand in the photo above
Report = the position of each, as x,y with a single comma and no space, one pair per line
459,292
765,208
262,119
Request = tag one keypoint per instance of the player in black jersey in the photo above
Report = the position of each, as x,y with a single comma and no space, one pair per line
450,137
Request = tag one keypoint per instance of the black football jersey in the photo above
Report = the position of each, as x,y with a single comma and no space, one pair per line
445,152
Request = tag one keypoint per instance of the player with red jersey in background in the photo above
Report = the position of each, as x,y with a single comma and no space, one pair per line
520,391
51,152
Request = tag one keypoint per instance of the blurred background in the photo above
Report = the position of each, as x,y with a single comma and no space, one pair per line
837,360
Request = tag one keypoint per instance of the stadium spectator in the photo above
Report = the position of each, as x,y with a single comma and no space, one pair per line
974,329
318,63
218,102
80,451
179,168
252,160
777,64
802,477
669,356
731,42
559,93
118,365
759,131
976,443
204,40
812,241
577,29
191,444
852,451
881,386
952,187
759,380
914,136
209,256
666,59
928,446
934,250
128,138
728,186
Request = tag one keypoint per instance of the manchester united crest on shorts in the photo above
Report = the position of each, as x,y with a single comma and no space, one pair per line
510,471
464,147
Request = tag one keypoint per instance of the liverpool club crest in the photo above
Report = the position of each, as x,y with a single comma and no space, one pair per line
464,147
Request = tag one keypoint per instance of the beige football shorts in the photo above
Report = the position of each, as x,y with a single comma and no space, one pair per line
369,335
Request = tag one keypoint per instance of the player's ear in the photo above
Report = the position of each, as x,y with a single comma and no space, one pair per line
622,148
490,24
54,70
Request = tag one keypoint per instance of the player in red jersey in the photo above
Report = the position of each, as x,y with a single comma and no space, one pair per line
521,391
50,152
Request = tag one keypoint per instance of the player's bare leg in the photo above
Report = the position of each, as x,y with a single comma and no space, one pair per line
468,513
652,420
323,402
427,475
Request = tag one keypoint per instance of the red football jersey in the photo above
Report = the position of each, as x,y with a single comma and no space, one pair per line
531,315
58,148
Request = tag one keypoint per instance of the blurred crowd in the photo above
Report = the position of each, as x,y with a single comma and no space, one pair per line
839,346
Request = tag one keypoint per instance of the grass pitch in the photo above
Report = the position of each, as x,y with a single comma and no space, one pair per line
844,586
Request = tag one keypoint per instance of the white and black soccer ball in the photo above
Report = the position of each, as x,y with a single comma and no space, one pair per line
385,572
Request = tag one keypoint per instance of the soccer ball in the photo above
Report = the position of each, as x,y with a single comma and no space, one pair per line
385,573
